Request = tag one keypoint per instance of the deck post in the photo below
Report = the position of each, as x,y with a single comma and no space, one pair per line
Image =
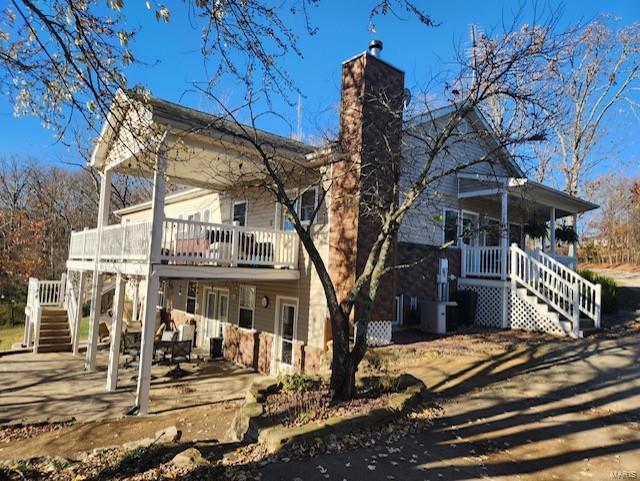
80,301
573,251
152,287
504,251
116,333
96,287
134,310
552,232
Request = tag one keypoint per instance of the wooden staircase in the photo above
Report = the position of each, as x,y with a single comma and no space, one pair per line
54,330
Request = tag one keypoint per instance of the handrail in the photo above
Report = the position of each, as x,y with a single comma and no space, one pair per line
481,261
72,310
590,293
545,284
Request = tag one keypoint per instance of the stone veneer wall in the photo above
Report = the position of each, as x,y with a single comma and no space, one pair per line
253,349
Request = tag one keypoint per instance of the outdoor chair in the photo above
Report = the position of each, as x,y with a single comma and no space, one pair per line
180,351
131,342
162,347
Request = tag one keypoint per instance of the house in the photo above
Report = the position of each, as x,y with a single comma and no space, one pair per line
228,261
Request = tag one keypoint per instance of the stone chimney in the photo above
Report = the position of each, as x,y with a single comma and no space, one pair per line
370,137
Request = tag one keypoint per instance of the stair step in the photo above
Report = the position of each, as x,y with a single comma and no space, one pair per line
53,341
55,348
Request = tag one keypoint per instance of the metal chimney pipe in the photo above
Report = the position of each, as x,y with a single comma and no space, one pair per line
375,48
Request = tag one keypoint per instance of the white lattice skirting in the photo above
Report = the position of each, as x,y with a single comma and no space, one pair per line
489,307
379,333
522,311
525,315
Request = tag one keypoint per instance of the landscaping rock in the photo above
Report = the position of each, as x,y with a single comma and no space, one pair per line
189,459
170,434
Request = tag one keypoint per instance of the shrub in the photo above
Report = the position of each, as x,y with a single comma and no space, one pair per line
293,383
609,303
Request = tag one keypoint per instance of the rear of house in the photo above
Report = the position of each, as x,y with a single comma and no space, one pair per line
226,260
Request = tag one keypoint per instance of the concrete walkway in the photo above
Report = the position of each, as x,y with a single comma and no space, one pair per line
564,411
39,386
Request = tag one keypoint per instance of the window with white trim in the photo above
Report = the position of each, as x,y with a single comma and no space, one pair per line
308,204
450,226
192,295
246,306
239,212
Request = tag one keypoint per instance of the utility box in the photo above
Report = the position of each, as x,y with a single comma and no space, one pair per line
433,316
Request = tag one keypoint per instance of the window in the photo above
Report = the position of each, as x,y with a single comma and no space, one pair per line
205,215
192,294
161,294
240,212
515,234
414,303
470,223
492,232
247,301
308,204
450,227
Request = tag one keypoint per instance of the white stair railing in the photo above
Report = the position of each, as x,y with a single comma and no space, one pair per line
546,284
39,294
590,294
72,310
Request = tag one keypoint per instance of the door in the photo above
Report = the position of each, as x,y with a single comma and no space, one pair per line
285,329
210,315
222,313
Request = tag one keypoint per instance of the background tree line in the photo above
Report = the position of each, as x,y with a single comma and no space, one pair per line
40,205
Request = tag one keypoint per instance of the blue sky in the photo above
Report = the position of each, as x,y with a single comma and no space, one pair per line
342,32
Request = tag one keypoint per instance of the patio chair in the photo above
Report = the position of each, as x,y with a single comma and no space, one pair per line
163,347
131,342
180,351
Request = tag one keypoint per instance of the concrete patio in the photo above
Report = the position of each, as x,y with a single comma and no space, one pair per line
37,387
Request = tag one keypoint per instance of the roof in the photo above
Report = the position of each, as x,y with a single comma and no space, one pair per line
193,120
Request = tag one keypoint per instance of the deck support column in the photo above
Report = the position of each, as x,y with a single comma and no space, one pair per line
80,301
96,287
116,333
504,248
134,310
573,251
152,286
552,232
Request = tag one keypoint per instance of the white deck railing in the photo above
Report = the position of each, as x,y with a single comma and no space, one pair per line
190,242
481,261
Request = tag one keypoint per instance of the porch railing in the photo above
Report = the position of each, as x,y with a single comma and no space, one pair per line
190,242
481,261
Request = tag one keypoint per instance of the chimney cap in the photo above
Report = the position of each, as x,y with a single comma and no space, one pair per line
375,47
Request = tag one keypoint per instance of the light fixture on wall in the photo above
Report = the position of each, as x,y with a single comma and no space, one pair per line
179,290
264,301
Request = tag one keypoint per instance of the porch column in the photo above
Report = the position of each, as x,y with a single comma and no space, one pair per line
116,333
76,328
96,288
153,284
573,251
552,231
504,234
504,248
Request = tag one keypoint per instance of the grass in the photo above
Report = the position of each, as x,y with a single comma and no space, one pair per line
9,335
